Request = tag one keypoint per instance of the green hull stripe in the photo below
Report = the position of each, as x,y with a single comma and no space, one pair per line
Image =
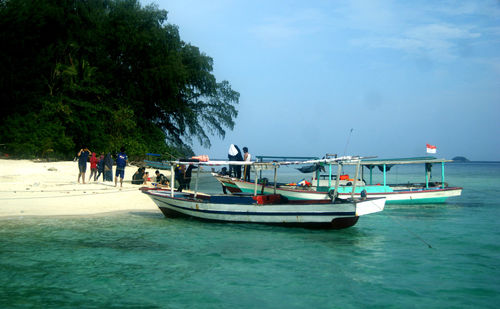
433,200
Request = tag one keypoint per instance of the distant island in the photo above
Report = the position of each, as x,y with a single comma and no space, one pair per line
460,159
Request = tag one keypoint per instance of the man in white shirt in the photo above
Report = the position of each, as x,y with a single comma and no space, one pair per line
247,157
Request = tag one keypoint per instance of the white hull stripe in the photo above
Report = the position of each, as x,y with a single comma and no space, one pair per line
253,213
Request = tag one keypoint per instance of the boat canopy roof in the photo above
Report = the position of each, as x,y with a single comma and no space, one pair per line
413,160
266,165
283,158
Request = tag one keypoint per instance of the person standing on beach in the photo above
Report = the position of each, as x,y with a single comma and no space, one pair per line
83,156
121,162
93,166
108,168
100,166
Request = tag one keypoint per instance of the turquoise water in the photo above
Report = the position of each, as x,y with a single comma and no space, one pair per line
142,260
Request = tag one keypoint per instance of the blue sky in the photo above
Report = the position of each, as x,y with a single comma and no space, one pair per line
399,73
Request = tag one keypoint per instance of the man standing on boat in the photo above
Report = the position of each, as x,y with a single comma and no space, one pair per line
247,157
187,176
231,156
180,171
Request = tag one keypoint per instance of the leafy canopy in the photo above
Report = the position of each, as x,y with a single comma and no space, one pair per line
104,73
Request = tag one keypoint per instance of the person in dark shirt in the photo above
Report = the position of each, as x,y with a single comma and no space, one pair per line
179,176
239,157
235,155
161,179
187,176
231,156
83,156
224,172
100,166
108,168
138,177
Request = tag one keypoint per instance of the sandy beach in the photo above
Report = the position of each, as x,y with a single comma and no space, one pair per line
30,188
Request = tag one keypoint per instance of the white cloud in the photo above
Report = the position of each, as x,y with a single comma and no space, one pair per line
437,30
489,8
441,32
437,41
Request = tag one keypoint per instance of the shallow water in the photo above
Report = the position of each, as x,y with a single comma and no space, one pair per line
436,255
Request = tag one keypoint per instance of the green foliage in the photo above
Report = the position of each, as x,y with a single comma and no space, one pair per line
104,73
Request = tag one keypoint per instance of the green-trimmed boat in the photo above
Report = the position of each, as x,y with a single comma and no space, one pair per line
322,186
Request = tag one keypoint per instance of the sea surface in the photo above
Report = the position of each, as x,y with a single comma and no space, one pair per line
424,256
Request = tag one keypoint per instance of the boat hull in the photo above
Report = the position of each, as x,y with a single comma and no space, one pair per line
243,209
401,196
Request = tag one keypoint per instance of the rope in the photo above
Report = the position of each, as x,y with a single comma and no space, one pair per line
409,231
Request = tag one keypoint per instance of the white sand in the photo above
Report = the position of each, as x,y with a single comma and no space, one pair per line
51,189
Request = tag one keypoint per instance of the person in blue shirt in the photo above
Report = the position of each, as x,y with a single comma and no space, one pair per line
121,162
83,156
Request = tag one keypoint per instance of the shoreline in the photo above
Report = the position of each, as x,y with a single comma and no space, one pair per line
135,212
31,188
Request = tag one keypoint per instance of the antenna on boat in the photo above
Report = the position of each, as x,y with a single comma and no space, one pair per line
348,138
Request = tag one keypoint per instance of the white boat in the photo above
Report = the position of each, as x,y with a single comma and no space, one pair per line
267,209
403,193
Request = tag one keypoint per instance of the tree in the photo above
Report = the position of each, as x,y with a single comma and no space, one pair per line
104,73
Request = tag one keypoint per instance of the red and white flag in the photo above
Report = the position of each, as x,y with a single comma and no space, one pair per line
431,149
